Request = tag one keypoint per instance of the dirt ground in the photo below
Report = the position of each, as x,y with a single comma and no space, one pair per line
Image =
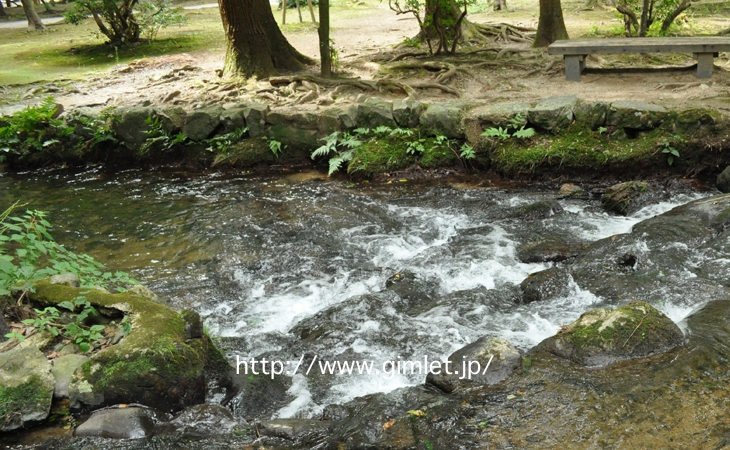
366,40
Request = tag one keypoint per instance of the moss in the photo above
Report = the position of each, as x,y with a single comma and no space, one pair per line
14,400
246,153
637,319
380,155
576,148
437,156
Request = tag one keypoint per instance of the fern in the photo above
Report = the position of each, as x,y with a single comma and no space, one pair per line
336,162
382,130
524,133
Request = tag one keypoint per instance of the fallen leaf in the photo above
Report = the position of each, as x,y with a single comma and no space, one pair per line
388,424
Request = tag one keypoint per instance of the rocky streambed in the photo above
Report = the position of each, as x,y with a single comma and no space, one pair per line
599,330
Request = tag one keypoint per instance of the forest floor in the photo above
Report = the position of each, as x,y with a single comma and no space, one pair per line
183,66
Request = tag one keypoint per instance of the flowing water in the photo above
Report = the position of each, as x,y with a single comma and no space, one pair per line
287,266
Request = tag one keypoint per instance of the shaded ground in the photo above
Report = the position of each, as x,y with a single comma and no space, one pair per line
365,35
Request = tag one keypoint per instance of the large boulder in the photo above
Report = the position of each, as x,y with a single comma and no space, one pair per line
553,114
486,361
26,387
604,336
155,364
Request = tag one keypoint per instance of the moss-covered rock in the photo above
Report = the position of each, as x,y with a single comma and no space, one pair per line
604,336
26,387
723,180
155,364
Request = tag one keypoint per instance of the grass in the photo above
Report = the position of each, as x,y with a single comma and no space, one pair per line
67,51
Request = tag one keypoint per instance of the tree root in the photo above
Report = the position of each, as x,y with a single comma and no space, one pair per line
365,85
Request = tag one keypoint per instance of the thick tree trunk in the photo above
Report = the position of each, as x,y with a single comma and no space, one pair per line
500,5
551,26
324,37
256,46
34,22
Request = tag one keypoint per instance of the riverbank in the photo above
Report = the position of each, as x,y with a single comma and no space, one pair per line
554,138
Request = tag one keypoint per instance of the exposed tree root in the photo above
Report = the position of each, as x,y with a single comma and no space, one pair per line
365,85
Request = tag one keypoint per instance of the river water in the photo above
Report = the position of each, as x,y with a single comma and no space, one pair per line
292,265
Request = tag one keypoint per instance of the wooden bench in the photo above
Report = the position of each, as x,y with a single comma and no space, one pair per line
575,51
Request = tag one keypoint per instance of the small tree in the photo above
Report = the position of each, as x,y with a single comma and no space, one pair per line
124,21
440,20
640,15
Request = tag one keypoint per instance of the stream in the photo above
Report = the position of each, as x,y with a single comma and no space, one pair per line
285,266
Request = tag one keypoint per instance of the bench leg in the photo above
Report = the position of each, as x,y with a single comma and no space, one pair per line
574,65
704,65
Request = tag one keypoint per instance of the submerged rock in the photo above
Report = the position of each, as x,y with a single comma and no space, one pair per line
552,249
546,284
26,387
604,336
538,210
723,181
493,360
629,197
125,422
292,429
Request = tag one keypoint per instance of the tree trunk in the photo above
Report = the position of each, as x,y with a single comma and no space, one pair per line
444,22
551,26
644,21
500,5
324,37
256,46
2,10
34,22
677,11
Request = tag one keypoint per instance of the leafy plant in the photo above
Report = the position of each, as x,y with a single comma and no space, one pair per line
33,129
124,21
159,138
668,149
275,146
29,253
516,129
222,142
467,152
342,145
